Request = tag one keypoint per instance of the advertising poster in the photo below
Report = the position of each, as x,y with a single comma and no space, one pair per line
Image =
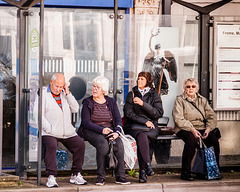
160,58
227,67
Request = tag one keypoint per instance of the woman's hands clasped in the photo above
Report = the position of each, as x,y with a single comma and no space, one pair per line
197,134
110,134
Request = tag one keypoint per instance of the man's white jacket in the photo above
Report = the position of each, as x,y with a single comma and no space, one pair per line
56,122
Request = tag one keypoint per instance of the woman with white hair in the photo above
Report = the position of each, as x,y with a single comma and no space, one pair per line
194,118
101,121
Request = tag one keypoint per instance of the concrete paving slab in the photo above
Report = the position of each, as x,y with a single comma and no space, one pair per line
203,187
160,182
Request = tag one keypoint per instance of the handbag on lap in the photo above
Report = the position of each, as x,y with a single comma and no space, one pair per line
140,127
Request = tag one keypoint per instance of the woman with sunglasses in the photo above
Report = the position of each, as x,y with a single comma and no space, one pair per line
192,124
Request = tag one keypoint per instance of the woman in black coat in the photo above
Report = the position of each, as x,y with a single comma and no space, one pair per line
143,106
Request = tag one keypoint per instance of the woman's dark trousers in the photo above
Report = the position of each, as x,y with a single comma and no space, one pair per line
102,148
191,145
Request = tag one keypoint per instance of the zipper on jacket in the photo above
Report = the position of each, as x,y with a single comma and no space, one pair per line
63,125
63,118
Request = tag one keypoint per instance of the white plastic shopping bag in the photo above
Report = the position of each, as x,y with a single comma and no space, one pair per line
130,150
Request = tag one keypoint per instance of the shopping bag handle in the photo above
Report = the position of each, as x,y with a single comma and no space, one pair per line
202,144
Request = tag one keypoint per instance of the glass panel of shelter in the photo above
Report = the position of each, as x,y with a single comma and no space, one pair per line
79,43
154,39
8,46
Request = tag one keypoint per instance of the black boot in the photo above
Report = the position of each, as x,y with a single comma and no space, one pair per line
149,169
186,175
142,176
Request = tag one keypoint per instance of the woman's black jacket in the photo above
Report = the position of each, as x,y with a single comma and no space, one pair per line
151,110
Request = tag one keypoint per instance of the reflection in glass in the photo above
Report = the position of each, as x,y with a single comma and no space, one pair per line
79,43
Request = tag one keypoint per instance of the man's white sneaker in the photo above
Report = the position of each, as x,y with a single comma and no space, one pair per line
51,181
77,179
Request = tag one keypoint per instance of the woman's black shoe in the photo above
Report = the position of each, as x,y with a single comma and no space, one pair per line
142,176
149,170
186,176
201,176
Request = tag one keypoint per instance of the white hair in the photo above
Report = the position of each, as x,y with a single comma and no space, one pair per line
103,82
56,75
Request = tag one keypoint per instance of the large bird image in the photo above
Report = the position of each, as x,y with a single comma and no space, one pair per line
156,61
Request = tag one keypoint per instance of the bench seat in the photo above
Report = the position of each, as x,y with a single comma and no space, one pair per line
171,137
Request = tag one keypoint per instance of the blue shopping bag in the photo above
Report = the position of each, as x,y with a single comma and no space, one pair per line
61,159
211,164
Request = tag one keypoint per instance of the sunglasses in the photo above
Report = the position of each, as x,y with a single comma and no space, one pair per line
191,86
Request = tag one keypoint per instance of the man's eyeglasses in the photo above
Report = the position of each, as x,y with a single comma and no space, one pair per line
191,86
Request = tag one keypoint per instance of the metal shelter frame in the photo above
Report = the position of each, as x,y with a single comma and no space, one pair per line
21,90
204,25
115,56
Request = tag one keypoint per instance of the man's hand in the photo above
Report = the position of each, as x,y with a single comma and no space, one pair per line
66,89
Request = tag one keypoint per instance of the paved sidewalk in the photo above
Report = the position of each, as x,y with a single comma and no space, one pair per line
162,182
